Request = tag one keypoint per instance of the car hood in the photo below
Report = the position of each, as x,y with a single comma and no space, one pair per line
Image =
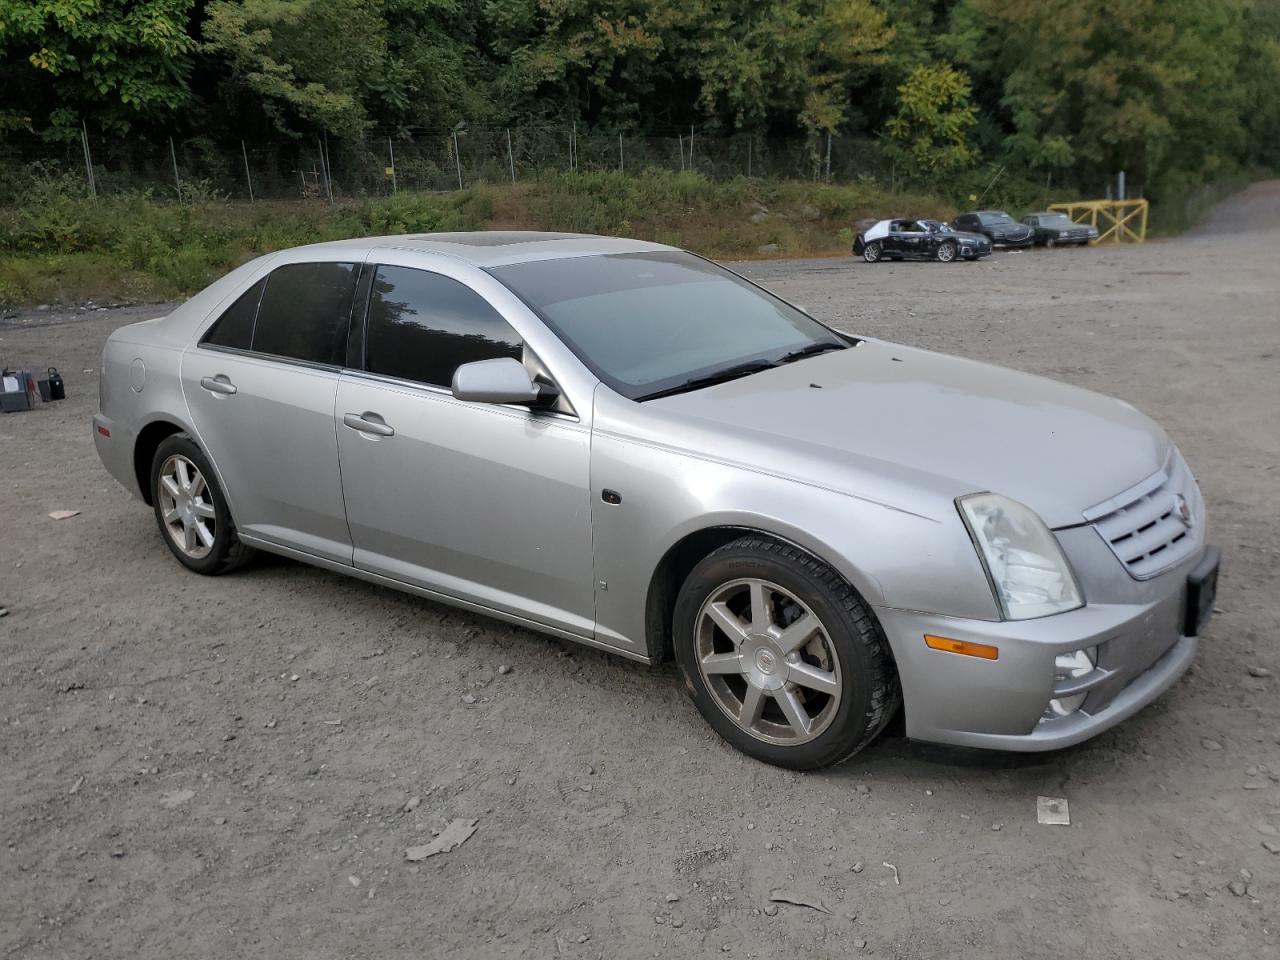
879,418
1010,229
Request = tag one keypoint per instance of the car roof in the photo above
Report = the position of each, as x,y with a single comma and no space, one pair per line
491,248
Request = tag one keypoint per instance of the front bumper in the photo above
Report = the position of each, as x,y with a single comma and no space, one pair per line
1012,243
998,704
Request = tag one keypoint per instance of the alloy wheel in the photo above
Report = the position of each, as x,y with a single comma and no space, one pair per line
768,662
946,252
186,507
871,252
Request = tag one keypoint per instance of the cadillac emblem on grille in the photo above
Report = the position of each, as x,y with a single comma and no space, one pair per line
1182,510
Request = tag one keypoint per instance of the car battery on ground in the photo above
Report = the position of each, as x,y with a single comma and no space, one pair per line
17,391
52,387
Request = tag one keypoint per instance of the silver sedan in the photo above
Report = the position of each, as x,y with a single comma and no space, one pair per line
626,445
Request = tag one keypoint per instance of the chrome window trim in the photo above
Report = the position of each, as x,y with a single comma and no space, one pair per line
271,357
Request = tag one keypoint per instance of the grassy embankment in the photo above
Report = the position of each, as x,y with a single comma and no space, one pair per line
57,247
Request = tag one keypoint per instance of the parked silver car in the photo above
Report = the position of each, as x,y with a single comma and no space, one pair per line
626,445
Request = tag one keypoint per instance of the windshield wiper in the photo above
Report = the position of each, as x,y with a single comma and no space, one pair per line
720,376
811,350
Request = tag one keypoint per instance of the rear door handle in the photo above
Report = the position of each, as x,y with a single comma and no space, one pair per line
219,384
369,423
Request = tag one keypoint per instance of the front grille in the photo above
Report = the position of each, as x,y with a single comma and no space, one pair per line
1144,526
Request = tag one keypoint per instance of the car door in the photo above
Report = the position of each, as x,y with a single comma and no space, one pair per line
892,242
910,239
486,503
261,387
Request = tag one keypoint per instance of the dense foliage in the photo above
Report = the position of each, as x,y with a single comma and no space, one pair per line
1176,92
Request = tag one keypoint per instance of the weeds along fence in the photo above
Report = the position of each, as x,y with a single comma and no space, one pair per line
322,168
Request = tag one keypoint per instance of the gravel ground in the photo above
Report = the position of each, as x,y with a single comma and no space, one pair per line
234,767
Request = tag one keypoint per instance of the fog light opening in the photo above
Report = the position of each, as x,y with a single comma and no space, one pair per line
1069,666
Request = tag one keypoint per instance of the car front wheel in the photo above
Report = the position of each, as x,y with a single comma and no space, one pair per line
783,658
191,510
947,251
871,252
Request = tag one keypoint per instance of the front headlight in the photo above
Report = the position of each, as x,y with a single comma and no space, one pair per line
1064,233
1029,574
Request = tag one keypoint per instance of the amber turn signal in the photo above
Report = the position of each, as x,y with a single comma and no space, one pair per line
966,647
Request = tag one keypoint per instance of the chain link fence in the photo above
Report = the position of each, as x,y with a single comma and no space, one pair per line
319,168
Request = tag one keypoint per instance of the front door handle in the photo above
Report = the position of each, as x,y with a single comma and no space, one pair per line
369,423
219,384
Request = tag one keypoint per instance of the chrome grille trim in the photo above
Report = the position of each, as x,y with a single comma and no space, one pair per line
1141,525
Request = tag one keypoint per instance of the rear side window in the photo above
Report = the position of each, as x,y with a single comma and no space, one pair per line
305,312
423,326
235,327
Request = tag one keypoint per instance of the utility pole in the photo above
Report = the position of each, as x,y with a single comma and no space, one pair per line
328,167
247,178
457,158
88,160
174,157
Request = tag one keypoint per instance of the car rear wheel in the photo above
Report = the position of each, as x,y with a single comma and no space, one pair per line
191,509
871,251
947,251
783,658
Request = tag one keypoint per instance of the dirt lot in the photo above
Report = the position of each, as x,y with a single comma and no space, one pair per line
234,767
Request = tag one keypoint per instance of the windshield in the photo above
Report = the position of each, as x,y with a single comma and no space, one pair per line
651,323
990,218
1055,220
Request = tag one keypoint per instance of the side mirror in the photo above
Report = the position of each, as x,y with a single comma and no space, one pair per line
501,380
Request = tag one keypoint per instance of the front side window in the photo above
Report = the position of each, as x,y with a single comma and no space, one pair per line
648,323
305,312
422,326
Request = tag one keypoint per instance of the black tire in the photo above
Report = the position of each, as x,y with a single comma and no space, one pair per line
871,251
226,553
1050,243
869,690
950,253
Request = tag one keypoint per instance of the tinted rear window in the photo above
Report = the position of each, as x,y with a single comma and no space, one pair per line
423,326
235,327
305,312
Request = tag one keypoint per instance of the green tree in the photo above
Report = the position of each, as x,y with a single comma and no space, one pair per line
572,59
1147,86
119,61
795,62
934,117
307,62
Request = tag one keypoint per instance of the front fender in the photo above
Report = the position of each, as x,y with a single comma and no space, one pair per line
891,557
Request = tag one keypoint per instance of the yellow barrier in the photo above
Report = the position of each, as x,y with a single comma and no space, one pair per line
1122,221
